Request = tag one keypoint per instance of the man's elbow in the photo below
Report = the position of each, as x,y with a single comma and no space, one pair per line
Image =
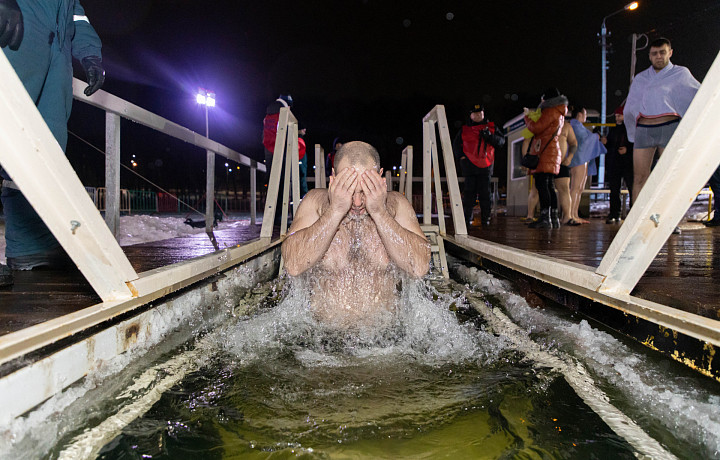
290,262
292,265
422,265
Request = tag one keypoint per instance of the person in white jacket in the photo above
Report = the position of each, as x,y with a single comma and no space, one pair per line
659,97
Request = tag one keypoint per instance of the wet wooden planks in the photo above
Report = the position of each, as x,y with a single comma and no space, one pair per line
41,295
683,275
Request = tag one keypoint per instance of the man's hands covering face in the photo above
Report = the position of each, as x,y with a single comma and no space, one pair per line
341,189
375,188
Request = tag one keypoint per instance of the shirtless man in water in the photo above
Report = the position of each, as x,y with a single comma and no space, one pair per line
355,239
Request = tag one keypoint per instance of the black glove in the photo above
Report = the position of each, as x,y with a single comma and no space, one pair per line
94,72
11,24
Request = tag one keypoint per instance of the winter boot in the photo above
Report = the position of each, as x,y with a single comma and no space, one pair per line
554,219
543,221
6,276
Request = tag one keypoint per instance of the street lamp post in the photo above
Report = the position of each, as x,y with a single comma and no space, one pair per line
633,56
603,46
207,99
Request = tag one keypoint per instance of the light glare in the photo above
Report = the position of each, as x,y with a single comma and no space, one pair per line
631,6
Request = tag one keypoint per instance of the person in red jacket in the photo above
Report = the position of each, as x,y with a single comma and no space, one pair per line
270,124
546,145
474,147
302,148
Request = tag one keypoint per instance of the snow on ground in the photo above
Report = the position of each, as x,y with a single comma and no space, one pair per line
144,229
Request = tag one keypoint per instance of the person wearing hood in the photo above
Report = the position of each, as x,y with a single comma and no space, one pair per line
546,146
474,147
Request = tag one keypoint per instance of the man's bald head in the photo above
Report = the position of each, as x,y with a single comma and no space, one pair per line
357,153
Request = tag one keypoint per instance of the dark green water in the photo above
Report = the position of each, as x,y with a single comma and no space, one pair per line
303,395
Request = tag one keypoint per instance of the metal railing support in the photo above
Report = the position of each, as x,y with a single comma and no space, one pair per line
112,171
320,178
210,192
406,174
253,193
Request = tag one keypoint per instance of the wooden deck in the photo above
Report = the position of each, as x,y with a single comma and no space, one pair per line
40,295
683,275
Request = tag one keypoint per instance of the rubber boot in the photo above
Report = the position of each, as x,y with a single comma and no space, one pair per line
554,219
543,221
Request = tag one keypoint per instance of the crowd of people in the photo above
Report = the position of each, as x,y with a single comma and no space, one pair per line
567,150
658,98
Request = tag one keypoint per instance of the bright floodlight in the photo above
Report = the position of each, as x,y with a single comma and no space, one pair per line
631,6
205,97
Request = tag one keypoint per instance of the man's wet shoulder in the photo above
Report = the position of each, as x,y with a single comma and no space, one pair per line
395,200
318,198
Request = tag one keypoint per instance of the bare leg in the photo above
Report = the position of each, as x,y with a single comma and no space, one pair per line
533,199
562,185
642,162
578,176
533,195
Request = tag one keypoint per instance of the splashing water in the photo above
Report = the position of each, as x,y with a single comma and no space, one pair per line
281,382
275,381
669,401
420,328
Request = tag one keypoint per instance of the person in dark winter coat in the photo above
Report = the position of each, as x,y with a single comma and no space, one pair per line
618,164
546,145
40,39
474,147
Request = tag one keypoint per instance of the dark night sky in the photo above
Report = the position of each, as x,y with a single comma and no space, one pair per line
369,69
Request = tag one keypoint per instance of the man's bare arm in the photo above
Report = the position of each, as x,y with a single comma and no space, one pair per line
572,145
311,232
401,234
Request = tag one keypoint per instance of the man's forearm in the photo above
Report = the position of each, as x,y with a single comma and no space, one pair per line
303,249
409,251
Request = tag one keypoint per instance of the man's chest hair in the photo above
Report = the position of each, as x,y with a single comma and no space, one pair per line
356,244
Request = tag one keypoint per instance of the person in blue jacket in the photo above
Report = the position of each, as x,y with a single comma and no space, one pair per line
40,38
583,162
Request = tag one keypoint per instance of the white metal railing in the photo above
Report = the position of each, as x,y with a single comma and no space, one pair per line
286,150
431,167
116,108
37,164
